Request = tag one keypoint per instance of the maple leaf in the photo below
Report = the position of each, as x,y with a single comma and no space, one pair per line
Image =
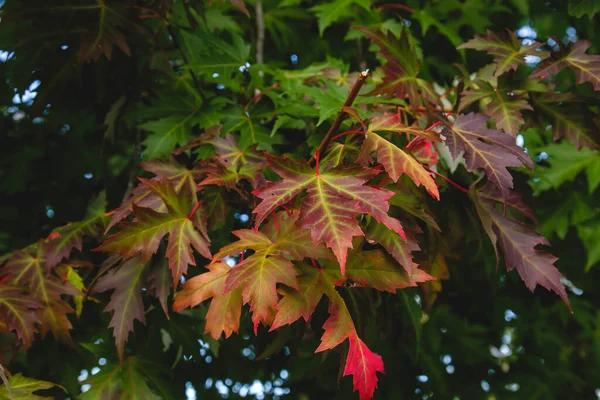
506,48
18,313
225,308
108,34
400,249
334,11
395,160
126,302
578,8
570,119
413,202
145,233
566,163
63,240
160,281
143,196
585,66
300,303
376,269
27,268
270,264
235,164
489,149
20,387
402,69
363,365
361,362
518,243
505,106
335,198
129,380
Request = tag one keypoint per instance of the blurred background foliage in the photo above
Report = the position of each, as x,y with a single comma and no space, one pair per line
89,90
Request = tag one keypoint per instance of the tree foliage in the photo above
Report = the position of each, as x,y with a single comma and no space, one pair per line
231,187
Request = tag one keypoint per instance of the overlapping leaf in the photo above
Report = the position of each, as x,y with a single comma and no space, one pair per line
394,159
400,249
270,264
225,308
518,243
143,196
23,388
18,313
335,198
334,11
126,303
26,268
145,233
489,149
505,106
131,380
63,240
585,66
234,164
506,48
570,119
401,71
361,362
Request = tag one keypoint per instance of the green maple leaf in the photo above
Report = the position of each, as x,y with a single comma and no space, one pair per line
225,308
579,8
337,10
24,388
166,133
566,163
144,234
394,159
63,240
329,101
376,269
18,312
506,48
518,243
335,198
489,149
585,66
252,131
504,107
127,381
209,54
126,302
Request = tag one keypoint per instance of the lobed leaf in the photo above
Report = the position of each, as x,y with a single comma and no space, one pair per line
335,198
489,149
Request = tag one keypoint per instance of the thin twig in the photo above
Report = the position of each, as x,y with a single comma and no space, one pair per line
341,114
450,181
260,33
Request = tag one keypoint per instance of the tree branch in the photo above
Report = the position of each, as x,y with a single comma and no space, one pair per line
342,114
